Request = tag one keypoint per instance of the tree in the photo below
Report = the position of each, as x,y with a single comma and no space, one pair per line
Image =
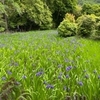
82,2
2,23
4,13
30,14
9,7
38,12
59,8
91,9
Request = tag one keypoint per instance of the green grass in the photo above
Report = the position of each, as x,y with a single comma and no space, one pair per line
41,65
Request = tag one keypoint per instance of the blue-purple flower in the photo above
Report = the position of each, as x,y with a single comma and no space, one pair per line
24,77
9,72
3,78
45,82
60,76
99,77
39,73
86,76
94,71
59,66
66,88
17,83
49,86
80,83
68,68
67,76
14,63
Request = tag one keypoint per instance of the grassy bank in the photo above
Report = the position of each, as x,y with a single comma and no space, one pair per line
41,65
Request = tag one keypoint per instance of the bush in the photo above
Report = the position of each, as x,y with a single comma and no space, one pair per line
70,17
68,26
2,29
78,11
98,28
86,25
97,32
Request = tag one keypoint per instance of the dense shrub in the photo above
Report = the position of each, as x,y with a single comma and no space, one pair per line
2,29
78,11
86,25
98,26
97,30
68,26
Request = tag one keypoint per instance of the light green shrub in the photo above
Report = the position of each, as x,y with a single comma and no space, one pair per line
78,11
68,26
2,29
86,25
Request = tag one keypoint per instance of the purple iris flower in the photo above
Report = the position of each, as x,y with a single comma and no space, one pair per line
24,77
68,68
49,86
4,78
86,76
67,76
60,76
39,73
99,77
80,83
9,72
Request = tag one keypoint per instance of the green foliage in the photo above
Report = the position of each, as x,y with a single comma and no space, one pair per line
91,9
86,25
82,2
59,8
70,17
9,7
40,14
2,24
68,26
2,29
77,12
2,8
15,21
34,14
97,29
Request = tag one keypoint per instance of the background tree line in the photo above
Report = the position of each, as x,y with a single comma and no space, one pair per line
81,2
25,15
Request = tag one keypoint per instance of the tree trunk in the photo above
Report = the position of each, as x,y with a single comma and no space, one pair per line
5,18
6,23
